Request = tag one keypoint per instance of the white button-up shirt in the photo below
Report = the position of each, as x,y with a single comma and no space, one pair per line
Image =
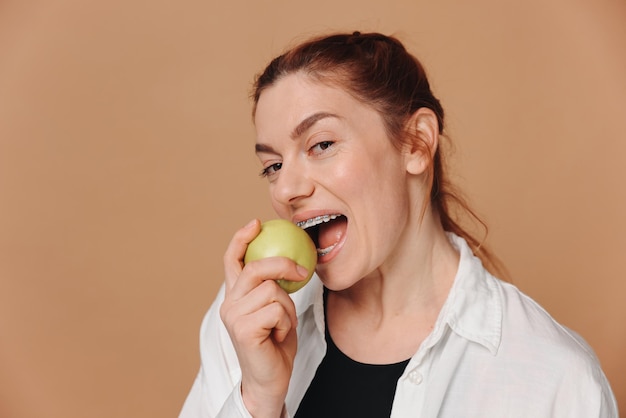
493,352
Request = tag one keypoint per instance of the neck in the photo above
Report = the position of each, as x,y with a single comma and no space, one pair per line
416,279
369,320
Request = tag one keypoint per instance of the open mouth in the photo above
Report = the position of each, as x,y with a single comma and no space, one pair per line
326,231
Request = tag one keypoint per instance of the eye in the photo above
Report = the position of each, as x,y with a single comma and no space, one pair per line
321,147
270,170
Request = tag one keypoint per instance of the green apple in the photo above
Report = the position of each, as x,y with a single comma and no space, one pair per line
281,238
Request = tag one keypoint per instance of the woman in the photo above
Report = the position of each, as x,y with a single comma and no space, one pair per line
401,319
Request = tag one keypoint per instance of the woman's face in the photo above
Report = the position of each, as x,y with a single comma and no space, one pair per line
331,167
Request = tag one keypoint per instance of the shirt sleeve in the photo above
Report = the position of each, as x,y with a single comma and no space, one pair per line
585,391
216,391
196,406
585,397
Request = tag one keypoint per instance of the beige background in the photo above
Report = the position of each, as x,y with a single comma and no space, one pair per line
126,163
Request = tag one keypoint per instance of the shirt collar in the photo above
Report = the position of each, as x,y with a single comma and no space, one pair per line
474,306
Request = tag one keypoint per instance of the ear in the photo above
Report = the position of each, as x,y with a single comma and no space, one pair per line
422,139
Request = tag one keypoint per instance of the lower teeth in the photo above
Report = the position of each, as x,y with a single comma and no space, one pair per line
323,251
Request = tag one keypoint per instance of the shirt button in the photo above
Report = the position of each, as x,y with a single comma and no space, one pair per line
415,377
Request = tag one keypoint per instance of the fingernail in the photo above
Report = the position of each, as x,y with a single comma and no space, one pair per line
250,224
302,271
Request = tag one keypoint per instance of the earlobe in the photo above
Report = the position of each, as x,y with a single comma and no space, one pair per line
422,140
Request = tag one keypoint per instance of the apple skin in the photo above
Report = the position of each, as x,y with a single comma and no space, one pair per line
281,238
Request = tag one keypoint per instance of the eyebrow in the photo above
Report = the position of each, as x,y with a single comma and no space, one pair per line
300,129
264,149
310,121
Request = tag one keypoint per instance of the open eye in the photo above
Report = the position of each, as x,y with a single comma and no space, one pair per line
270,170
320,147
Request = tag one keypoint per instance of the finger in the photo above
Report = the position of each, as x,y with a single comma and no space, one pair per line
272,268
275,321
236,250
265,294
257,327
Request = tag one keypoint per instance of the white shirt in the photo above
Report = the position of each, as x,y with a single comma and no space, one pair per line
493,352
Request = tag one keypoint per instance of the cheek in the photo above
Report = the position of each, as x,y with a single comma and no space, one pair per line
281,210
380,174
347,181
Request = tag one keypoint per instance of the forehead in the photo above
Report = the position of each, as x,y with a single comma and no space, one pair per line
297,96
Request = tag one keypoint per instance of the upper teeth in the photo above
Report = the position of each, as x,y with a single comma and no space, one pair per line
316,221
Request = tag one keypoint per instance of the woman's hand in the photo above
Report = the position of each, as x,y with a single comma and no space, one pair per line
261,320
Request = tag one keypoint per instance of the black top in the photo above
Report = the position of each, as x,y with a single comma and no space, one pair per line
344,388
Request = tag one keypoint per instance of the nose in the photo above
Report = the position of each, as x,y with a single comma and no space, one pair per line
292,185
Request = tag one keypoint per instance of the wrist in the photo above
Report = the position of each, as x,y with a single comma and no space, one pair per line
263,406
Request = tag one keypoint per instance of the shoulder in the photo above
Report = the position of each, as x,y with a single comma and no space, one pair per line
526,323
509,322
541,361
548,351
